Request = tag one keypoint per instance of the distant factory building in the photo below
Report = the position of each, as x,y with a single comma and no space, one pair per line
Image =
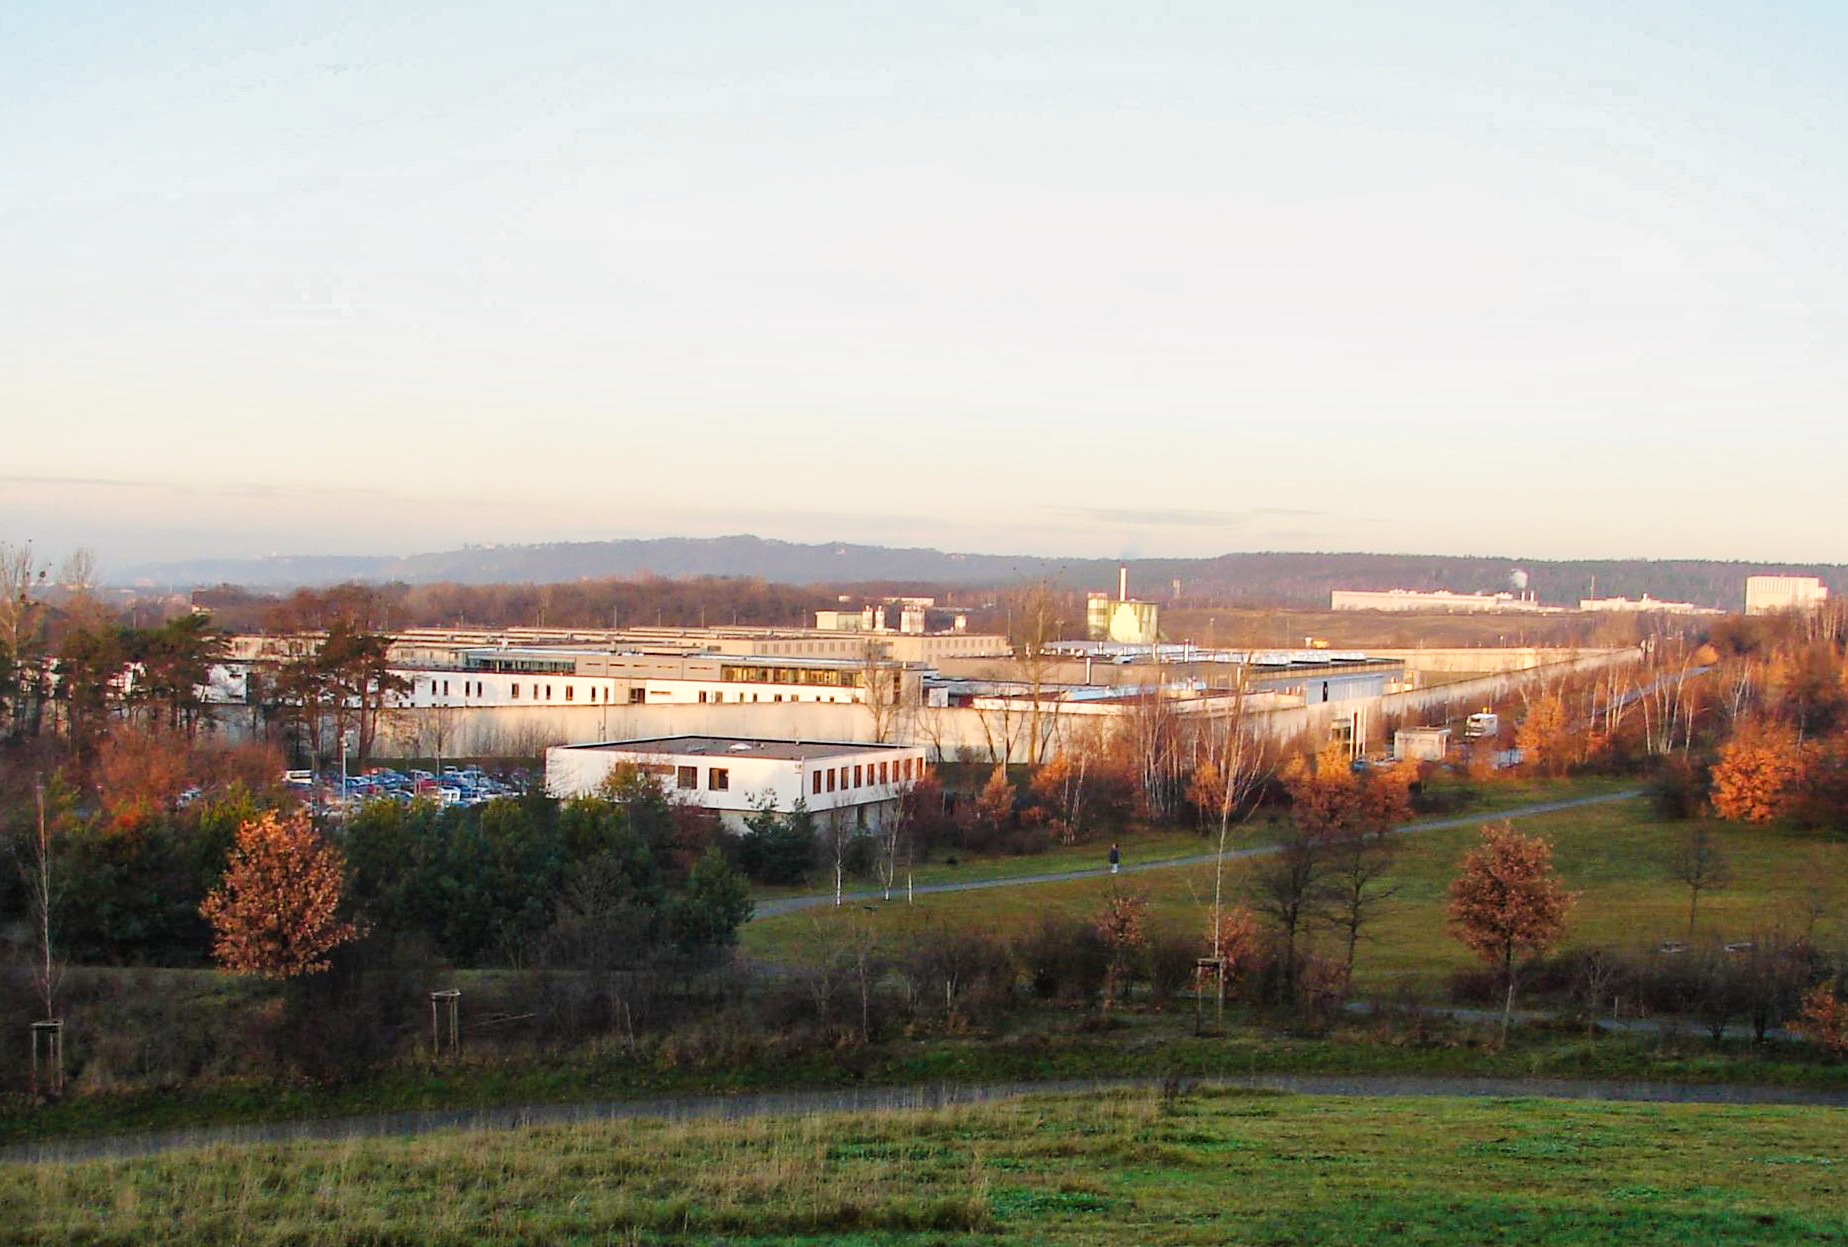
906,616
1442,601
1125,620
1644,605
735,776
1764,594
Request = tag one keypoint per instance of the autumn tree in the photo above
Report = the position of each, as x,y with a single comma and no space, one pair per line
274,913
994,811
1507,903
1824,1020
1290,883
1120,925
1759,773
1699,864
1545,738
1361,851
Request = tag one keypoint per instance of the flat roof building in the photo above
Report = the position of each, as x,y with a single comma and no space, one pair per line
1765,594
735,776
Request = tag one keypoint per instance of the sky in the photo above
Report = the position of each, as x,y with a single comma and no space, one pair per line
1557,280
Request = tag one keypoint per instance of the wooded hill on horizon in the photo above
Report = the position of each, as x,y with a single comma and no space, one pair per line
1259,578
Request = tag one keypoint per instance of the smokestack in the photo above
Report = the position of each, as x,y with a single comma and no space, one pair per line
1123,582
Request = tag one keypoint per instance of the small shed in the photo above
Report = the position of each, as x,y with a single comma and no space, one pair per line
1421,744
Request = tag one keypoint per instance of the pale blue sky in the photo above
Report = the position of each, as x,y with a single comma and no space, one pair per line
1547,280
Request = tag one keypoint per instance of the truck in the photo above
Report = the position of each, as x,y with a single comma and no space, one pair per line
1483,724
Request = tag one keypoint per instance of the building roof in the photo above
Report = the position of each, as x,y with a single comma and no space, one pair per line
737,747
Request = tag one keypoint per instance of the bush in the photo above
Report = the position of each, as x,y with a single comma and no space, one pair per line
970,975
1171,966
1064,959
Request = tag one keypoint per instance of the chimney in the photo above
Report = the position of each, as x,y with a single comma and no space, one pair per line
1122,582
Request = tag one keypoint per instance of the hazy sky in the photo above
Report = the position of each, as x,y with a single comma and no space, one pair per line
1542,280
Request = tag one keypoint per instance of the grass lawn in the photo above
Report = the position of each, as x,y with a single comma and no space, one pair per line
1613,855
1162,843
1214,1166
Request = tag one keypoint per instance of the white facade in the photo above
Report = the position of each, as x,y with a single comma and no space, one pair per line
1441,600
736,775
1764,594
1643,605
1421,744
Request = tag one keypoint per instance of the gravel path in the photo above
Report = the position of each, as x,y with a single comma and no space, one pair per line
877,1099
794,904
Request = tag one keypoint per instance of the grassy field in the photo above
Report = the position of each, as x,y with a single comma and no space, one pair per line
1613,855
1212,1166
1155,844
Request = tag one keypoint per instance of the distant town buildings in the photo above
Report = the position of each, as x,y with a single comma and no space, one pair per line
1764,594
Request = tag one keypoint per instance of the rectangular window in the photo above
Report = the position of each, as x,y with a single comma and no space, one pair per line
815,783
686,777
884,778
856,777
907,768
548,692
702,697
830,779
516,692
570,692
778,697
718,696
637,696
445,688
718,779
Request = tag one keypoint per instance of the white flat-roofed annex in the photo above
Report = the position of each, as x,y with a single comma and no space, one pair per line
736,775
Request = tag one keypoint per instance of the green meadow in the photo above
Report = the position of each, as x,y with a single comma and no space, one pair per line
1207,1166
1613,855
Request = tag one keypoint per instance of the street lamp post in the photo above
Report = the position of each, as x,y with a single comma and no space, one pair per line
346,741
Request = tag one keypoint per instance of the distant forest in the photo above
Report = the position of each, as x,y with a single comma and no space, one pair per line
746,580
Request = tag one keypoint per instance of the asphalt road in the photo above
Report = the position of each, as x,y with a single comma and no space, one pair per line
794,904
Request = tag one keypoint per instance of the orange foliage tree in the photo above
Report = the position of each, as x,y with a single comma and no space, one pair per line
274,913
1759,773
1825,1019
1507,902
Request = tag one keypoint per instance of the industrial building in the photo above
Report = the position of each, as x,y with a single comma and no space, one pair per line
735,776
1125,620
1765,594
1441,601
1644,605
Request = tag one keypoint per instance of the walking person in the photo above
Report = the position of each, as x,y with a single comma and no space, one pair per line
1116,858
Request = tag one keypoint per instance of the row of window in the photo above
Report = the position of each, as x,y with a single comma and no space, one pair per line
718,778
862,774
832,677
637,696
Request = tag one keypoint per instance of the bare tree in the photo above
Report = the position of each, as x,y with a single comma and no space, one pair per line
895,837
1234,766
1699,863
1037,627
41,899
882,688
